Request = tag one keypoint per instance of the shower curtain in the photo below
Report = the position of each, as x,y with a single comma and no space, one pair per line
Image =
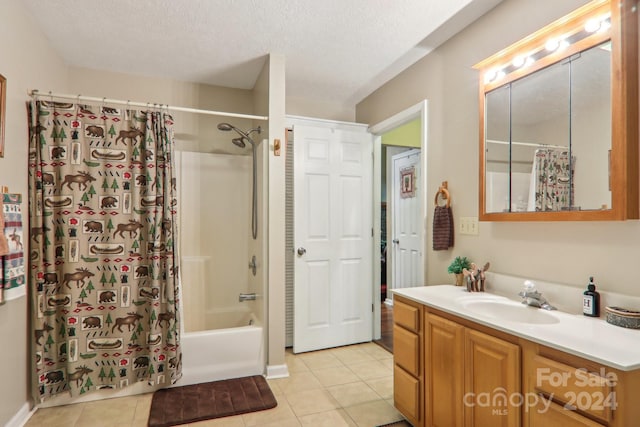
103,269
553,174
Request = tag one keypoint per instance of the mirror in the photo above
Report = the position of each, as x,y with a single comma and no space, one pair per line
548,136
559,120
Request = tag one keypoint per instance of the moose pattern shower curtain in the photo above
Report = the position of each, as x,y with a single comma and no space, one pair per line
103,266
553,171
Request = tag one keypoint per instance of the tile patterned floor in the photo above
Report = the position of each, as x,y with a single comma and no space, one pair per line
346,386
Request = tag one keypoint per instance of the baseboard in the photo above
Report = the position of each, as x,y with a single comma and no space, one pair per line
21,417
277,371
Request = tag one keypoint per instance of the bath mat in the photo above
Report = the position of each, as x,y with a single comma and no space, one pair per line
402,423
198,402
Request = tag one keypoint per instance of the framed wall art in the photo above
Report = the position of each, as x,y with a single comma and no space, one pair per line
407,182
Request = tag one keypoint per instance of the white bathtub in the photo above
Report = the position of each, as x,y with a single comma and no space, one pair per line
232,348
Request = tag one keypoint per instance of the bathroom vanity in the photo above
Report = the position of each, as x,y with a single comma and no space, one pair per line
477,359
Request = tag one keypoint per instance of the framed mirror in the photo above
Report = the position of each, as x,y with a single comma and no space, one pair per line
3,95
558,120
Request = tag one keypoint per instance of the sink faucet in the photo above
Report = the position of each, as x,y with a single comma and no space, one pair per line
530,296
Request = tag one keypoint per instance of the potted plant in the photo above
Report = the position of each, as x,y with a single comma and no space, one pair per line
457,266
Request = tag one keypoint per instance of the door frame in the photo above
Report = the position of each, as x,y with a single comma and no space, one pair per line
419,110
291,122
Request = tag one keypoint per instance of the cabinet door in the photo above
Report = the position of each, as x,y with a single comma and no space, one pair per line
444,372
492,378
557,416
406,394
406,350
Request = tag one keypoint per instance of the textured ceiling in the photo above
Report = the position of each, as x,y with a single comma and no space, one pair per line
336,51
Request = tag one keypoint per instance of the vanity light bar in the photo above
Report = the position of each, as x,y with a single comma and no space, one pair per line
601,24
586,26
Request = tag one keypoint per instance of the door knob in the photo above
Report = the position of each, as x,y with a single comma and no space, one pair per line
396,241
301,251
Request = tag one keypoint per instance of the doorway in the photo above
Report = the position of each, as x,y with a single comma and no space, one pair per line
405,132
332,234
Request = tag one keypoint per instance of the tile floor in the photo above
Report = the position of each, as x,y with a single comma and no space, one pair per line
345,386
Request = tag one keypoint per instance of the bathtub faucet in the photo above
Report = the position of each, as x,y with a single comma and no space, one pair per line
247,297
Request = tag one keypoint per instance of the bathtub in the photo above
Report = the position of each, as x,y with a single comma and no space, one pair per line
231,348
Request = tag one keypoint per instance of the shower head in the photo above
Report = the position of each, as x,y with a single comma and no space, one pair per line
239,142
244,136
226,127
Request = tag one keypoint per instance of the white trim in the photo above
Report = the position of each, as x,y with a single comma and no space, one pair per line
21,417
418,110
290,120
35,93
377,271
277,371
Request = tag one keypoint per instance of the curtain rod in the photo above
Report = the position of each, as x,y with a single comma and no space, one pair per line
527,144
35,93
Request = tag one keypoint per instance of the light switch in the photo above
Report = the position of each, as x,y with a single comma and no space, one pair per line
469,225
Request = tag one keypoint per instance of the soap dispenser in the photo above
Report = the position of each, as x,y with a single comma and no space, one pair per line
591,300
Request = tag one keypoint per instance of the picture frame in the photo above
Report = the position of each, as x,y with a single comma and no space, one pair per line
3,96
407,182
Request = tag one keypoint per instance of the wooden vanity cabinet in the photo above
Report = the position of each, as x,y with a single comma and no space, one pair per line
452,372
577,392
444,377
408,360
464,367
492,367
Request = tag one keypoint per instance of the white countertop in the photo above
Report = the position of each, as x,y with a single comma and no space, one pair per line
587,337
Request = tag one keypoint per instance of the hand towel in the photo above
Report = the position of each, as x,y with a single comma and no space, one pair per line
442,228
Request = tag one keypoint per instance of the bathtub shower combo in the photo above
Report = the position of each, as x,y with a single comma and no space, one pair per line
223,312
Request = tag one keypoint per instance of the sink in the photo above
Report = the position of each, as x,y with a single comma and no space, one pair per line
511,311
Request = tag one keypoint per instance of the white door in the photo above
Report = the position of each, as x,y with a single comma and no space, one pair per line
406,250
333,237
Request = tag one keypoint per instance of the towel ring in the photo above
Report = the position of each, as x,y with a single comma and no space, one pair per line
445,194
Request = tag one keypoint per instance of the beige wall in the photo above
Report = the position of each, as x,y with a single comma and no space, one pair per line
193,132
276,214
307,107
27,61
565,252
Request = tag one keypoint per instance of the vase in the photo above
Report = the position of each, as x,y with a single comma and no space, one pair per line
459,279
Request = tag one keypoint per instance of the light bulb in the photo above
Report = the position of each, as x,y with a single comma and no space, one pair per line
518,61
552,44
490,76
592,25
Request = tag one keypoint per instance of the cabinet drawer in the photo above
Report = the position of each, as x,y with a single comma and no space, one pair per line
406,394
585,391
557,416
406,350
406,315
